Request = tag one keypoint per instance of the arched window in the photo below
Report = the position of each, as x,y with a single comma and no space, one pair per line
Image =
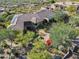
46,20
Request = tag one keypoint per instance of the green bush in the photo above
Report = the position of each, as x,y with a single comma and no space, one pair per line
3,34
60,34
39,44
24,39
9,17
73,34
74,20
6,34
2,20
4,15
60,16
37,54
71,8
51,1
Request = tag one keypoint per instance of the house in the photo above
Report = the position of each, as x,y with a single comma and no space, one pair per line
2,9
20,21
59,5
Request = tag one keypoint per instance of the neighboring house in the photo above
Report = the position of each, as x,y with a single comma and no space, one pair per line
2,9
28,20
59,5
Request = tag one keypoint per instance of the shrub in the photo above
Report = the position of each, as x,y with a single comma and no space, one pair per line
4,34
71,8
1,51
4,15
74,20
25,39
73,34
9,17
2,20
51,1
39,44
37,54
60,16
60,34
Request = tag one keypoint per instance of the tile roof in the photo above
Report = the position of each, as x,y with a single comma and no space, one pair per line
36,17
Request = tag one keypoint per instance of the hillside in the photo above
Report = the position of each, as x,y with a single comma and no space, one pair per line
40,30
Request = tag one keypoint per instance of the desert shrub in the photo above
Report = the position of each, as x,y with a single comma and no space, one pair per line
39,44
1,51
25,39
74,20
9,17
51,1
71,8
6,34
3,34
73,34
60,34
37,54
60,15
4,15
2,20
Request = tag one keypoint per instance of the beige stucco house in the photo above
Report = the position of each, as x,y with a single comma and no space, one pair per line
30,19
